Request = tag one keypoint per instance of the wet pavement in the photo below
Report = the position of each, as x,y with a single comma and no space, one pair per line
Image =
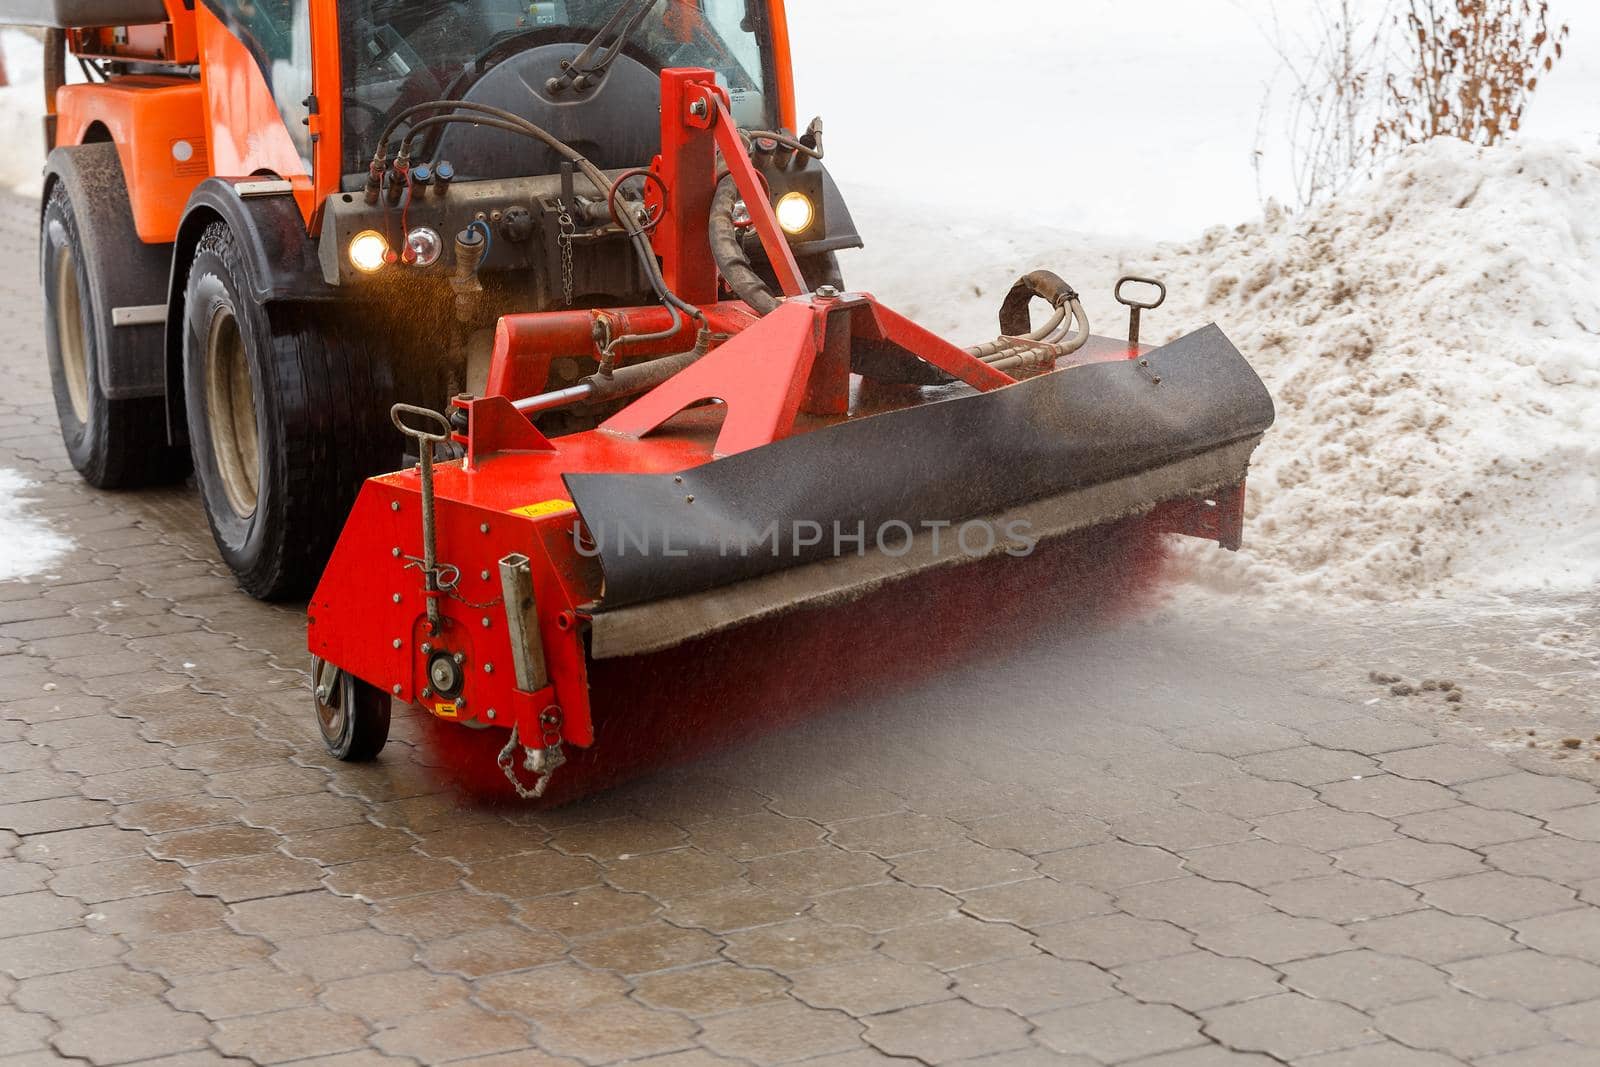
1184,840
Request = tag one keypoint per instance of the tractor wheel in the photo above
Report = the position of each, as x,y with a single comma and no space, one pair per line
114,444
352,715
288,413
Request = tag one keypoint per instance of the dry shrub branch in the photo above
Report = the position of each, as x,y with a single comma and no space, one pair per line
1470,68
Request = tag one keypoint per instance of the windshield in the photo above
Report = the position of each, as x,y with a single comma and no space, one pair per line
396,53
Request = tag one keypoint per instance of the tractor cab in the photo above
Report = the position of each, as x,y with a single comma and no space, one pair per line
586,70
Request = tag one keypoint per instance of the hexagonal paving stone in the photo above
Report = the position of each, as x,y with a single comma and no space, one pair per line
664,875
1410,862
709,989
817,870
280,1036
1197,980
948,1030
1365,979
1035,903
451,1033
1533,979
1275,939
346,954
587,911
1343,898
1110,940
1568,933
1527,793
1115,865
789,948
1387,796
1257,863
1289,1026
1112,1031
870,986
1498,896
132,1034
1192,902
491,950
1033,984
1469,827
91,991
782,1031
896,834
1432,936
246,991
1324,829
884,906
1463,1025
748,837
956,942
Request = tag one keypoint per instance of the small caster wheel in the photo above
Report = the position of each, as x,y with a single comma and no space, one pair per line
352,715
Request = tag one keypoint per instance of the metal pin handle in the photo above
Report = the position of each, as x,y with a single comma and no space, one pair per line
397,416
1135,307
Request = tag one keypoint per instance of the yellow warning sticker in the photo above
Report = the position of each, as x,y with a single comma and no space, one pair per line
543,508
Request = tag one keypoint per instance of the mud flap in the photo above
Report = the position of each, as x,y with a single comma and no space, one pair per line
777,528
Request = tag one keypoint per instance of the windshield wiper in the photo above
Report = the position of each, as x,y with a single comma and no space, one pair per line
589,66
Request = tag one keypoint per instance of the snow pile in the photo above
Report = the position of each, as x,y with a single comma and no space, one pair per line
27,546
1433,344
21,111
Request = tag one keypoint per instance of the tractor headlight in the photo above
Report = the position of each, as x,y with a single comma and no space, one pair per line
795,213
423,247
369,251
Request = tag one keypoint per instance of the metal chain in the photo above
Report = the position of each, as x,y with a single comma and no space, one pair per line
568,229
543,761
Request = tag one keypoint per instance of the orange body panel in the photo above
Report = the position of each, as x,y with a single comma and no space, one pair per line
248,136
172,133
158,124
783,64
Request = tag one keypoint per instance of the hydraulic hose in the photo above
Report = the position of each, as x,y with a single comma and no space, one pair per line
733,263
638,236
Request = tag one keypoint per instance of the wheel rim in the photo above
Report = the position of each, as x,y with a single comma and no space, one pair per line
331,710
231,414
69,333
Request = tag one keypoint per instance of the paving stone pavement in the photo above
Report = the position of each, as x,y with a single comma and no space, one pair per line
1156,855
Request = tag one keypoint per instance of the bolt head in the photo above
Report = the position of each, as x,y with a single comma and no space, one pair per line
397,642
395,552
484,575
426,693
394,505
460,658
483,528
486,622
827,292
489,715
397,598
395,690
322,692
488,668
426,648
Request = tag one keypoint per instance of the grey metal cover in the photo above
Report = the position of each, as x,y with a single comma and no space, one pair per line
66,14
1054,436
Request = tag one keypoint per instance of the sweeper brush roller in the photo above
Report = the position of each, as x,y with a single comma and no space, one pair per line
770,448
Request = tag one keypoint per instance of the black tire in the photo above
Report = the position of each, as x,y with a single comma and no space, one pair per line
114,444
353,719
288,413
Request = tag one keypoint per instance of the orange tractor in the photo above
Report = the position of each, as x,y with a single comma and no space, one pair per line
581,256
229,283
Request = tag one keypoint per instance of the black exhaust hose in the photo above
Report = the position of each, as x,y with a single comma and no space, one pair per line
732,262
